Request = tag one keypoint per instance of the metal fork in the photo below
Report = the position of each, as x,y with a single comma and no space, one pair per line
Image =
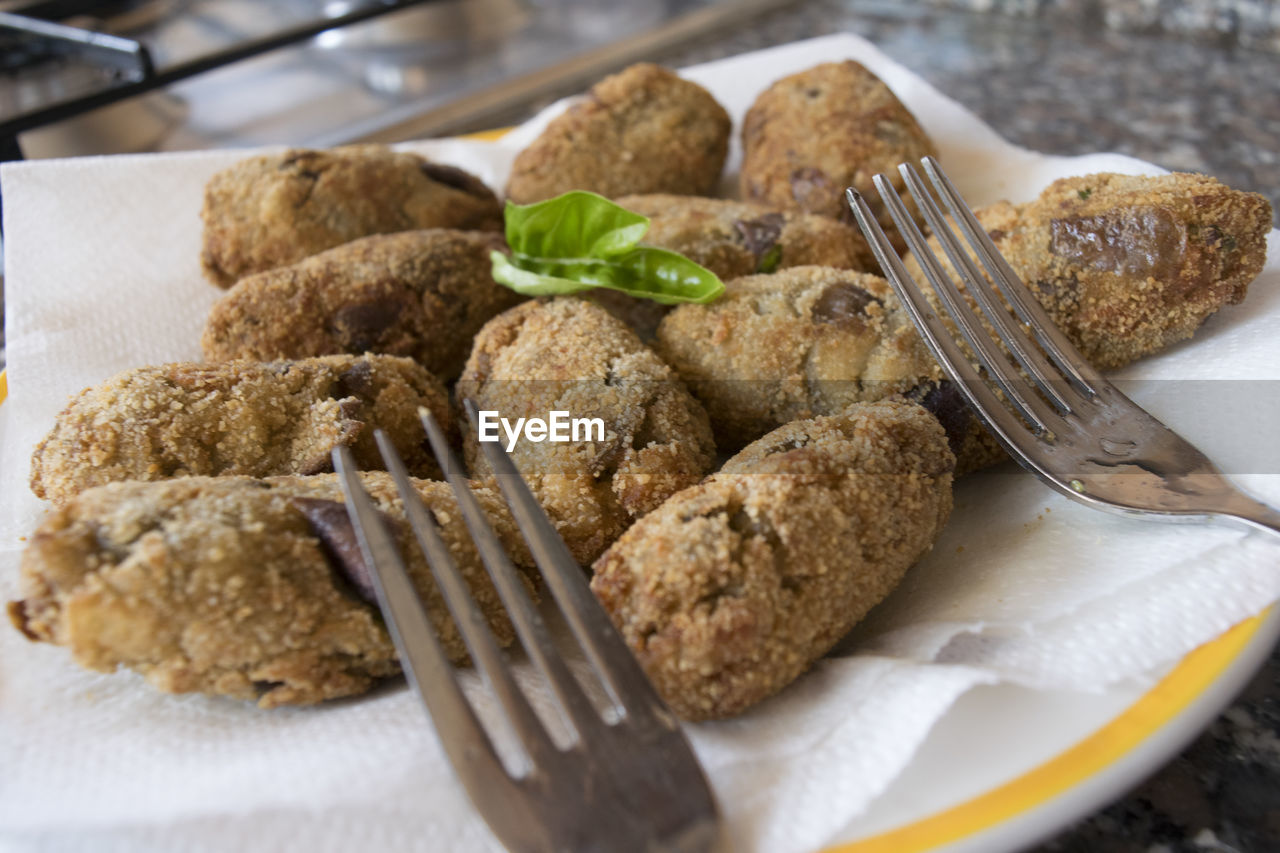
627,783
1063,421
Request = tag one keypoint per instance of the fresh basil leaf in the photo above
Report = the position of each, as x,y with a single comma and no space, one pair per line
657,274
581,240
577,224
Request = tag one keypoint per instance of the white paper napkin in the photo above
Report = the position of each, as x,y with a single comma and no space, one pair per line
1023,586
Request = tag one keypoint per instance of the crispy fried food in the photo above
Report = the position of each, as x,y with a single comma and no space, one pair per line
734,587
1127,266
272,211
836,125
736,238
570,355
732,239
643,130
802,342
422,294
238,417
237,586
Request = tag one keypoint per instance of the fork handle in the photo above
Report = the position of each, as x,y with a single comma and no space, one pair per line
1254,514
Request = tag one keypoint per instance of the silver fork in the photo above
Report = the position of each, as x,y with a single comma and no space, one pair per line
627,783
1064,422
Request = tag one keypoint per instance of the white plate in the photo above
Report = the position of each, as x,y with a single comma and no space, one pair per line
103,262
1007,767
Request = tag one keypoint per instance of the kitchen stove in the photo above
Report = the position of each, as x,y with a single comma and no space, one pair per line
84,77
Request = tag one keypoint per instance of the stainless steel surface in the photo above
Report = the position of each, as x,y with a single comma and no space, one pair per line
622,780
1086,439
482,108
135,125
446,66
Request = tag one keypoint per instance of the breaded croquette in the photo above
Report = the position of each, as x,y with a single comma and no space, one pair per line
421,294
736,238
1127,266
811,135
798,343
238,417
236,586
732,239
734,587
570,355
642,130
275,210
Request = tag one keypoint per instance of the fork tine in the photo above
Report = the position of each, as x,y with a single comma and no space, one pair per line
988,354
1048,379
468,618
1047,334
425,664
613,662
528,623
935,333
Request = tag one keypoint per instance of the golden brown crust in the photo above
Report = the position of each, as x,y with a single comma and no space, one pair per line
737,238
642,130
734,587
256,419
421,294
732,239
570,355
220,585
811,135
1127,266
272,211
802,342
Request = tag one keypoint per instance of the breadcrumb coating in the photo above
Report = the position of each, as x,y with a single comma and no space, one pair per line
733,588
812,134
274,210
222,585
568,354
642,130
802,342
421,294
239,417
1129,265
733,239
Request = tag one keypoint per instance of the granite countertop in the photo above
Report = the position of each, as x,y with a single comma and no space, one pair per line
1066,86
1069,85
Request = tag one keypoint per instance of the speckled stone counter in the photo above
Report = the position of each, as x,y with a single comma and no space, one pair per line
1194,105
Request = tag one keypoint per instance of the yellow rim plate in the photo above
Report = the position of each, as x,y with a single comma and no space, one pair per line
1106,749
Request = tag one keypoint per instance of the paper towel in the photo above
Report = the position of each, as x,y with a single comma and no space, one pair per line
1023,586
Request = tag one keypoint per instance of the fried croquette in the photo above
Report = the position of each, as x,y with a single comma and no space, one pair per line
275,210
421,294
237,586
570,355
642,130
798,343
734,587
810,135
1125,265
735,238
732,239
239,417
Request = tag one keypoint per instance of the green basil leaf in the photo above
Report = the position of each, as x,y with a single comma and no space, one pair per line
657,274
581,240
574,225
